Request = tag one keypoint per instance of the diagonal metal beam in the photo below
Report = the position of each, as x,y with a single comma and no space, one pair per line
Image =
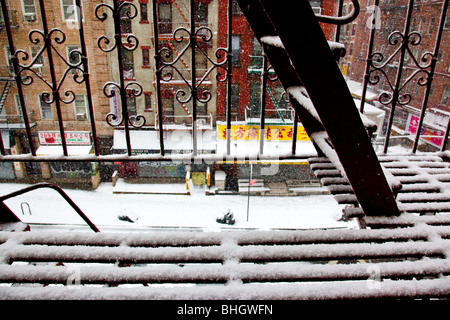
315,64
261,26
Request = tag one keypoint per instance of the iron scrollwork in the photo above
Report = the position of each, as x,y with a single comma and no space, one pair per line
128,42
47,42
205,34
378,64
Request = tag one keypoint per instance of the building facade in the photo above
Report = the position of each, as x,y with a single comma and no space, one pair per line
40,78
423,29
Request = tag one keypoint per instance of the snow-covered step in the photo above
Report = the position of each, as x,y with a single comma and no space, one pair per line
305,264
420,183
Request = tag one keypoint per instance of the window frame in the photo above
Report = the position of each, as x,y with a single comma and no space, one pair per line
29,16
236,52
147,101
128,62
46,106
18,106
145,57
167,23
72,17
144,12
75,107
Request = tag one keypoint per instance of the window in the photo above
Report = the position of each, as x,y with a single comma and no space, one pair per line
46,109
353,29
201,13
144,13
201,61
29,10
255,99
147,101
131,106
18,105
8,59
125,21
165,18
39,63
202,108
68,10
80,106
236,50
35,51
74,58
431,25
234,98
168,105
235,8
145,57
351,49
127,63
422,24
445,95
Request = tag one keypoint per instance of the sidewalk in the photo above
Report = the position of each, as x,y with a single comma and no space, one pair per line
123,187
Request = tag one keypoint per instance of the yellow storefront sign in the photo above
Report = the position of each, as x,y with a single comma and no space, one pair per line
248,132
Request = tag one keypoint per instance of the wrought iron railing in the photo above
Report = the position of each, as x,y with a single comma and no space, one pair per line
421,71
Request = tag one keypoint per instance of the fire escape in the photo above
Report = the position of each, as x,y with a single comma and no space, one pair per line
402,203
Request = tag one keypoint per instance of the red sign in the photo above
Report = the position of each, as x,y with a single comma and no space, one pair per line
80,138
431,135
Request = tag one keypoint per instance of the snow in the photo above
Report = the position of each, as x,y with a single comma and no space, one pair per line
274,41
299,93
307,290
272,148
173,140
197,211
71,150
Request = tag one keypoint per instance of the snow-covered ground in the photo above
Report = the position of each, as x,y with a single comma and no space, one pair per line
167,211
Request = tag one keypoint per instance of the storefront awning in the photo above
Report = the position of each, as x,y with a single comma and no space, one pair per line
5,139
174,141
242,149
57,150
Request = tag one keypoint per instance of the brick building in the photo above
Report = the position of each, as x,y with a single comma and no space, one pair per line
424,22
25,16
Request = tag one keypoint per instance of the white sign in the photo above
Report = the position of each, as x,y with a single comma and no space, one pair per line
72,138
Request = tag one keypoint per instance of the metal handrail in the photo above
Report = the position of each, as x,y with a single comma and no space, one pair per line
57,189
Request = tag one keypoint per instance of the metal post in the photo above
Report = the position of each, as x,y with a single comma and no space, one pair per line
369,58
265,73
122,90
249,182
54,85
229,75
399,75
158,77
430,75
194,80
294,133
85,64
338,26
